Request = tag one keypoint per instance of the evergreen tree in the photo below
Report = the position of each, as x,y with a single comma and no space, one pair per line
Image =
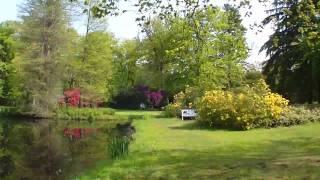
293,67
43,31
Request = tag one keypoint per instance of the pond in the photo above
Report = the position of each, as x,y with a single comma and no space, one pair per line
52,149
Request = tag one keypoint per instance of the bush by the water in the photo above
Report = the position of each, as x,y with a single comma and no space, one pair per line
83,113
9,111
245,108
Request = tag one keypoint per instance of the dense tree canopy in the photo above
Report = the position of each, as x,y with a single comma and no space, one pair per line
43,33
180,51
7,53
190,43
294,67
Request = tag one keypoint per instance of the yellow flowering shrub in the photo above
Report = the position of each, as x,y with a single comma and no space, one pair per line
253,107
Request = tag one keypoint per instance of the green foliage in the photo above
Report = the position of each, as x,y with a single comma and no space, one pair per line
95,71
220,75
125,66
179,51
88,114
7,53
221,58
171,110
183,100
9,111
118,147
252,76
40,61
296,115
252,107
92,71
293,68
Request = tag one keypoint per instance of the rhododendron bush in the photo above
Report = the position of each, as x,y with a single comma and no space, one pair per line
247,108
154,97
141,94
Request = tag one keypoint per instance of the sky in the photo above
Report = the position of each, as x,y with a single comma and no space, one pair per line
125,27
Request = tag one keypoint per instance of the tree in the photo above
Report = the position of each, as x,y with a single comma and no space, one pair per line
293,67
44,34
94,75
156,44
225,51
163,8
125,63
92,23
205,51
7,53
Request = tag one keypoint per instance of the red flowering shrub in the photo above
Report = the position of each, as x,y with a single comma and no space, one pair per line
72,97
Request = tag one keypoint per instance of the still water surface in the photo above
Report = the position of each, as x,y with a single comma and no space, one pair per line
50,149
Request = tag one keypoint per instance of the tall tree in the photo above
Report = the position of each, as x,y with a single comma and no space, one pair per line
44,33
125,60
96,71
7,53
206,49
94,75
293,67
224,49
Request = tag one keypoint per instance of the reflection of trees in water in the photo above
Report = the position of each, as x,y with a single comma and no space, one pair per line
6,161
47,156
52,150
37,150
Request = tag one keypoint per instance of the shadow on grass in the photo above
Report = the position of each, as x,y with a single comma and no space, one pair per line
297,158
195,125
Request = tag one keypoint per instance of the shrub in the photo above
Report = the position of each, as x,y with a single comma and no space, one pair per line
89,114
133,97
171,110
243,109
182,100
296,115
9,111
129,99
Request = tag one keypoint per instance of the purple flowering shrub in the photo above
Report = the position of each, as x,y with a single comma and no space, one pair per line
154,97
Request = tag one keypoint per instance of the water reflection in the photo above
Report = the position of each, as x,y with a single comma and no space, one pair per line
50,149
79,133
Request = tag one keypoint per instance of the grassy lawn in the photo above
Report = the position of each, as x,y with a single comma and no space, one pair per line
172,149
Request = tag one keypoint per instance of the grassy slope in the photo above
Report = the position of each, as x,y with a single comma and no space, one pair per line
172,149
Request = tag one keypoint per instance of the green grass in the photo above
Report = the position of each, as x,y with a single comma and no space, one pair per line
171,149
142,113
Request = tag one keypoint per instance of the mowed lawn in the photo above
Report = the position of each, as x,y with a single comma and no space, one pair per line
171,149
